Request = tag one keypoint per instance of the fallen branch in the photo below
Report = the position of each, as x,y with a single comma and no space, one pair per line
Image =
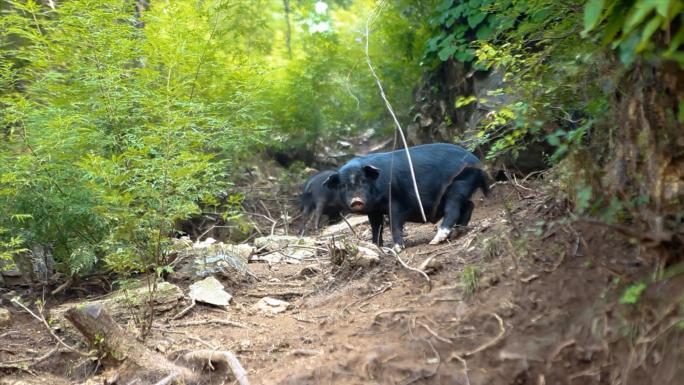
224,356
211,321
396,255
67,284
185,311
102,331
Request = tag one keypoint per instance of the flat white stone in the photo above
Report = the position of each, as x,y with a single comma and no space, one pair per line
210,290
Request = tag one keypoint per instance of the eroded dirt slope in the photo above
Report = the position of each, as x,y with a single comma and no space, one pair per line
522,297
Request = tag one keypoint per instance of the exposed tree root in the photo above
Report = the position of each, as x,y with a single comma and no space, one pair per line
494,341
220,356
101,331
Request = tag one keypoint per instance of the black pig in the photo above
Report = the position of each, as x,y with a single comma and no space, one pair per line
445,177
318,200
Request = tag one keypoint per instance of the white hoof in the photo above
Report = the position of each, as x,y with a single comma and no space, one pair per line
441,236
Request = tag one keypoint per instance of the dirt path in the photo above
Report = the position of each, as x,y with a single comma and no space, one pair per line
511,301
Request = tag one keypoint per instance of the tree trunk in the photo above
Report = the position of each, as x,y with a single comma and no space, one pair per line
103,333
288,31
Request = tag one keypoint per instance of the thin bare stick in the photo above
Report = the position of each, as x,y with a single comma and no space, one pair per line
187,335
33,360
391,111
350,227
63,286
378,292
211,321
47,326
494,341
421,272
186,310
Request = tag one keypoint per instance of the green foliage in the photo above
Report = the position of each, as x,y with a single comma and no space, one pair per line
324,91
632,27
459,22
632,294
113,131
10,246
116,125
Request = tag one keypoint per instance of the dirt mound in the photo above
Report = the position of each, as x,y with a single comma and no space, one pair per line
522,297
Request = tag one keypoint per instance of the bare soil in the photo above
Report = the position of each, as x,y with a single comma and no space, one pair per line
543,309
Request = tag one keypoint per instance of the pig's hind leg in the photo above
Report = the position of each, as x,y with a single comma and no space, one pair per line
457,210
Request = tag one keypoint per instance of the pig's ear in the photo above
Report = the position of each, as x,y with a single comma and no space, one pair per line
371,172
332,181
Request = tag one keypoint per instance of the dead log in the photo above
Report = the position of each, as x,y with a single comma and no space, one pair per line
103,333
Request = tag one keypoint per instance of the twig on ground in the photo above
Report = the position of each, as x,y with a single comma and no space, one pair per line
284,293
211,321
47,326
33,360
266,208
63,286
185,311
3,335
186,334
211,228
378,292
351,228
492,342
396,255
23,368
273,221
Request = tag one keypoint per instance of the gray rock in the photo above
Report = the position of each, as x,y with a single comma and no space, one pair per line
210,290
284,248
210,258
270,305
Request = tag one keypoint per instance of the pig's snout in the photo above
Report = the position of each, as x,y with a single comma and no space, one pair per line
357,204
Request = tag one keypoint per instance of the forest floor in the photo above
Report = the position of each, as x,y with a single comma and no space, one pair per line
522,297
